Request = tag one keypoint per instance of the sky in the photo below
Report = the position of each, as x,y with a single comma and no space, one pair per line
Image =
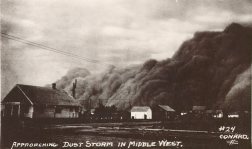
113,32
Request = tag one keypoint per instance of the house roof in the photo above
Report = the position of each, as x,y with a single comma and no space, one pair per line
140,109
213,111
42,95
166,108
198,108
209,111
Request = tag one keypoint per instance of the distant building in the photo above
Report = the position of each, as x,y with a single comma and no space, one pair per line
209,113
218,114
26,101
233,115
141,112
214,113
198,109
198,112
163,112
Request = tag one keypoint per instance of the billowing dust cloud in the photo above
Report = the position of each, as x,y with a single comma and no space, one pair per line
212,69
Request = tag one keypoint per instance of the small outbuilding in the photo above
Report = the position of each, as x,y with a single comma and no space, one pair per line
233,115
141,112
163,112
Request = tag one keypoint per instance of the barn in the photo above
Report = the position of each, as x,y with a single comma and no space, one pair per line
26,101
141,112
163,112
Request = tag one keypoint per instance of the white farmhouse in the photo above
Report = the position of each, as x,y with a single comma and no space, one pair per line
141,112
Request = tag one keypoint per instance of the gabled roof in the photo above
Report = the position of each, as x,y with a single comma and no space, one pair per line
213,111
209,111
166,108
140,109
41,95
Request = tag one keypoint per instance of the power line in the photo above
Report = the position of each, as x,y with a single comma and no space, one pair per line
46,47
43,47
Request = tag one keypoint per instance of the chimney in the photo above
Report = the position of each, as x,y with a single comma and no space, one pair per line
54,86
74,87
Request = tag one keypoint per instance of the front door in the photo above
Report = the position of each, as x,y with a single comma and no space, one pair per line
15,112
145,116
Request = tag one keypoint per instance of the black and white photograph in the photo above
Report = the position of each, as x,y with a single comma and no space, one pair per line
126,74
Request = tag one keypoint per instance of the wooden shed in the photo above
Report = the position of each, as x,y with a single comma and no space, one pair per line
163,112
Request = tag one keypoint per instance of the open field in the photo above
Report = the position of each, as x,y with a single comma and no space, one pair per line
118,132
